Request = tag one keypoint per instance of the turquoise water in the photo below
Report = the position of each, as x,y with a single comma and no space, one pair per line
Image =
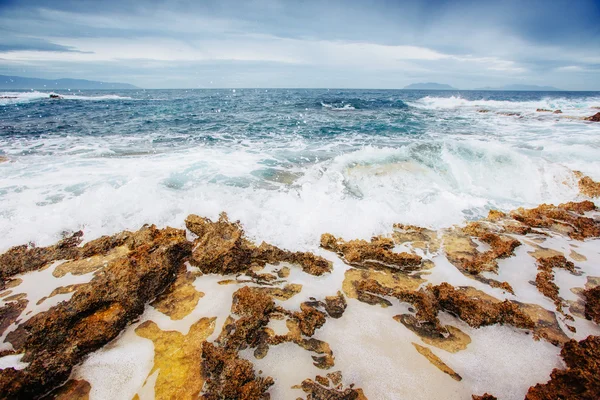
291,164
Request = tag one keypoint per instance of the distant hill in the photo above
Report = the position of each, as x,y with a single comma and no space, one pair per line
19,82
524,88
429,86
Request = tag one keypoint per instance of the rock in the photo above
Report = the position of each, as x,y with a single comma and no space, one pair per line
437,362
592,304
485,396
376,254
3,159
543,110
545,277
320,390
557,112
56,340
581,378
221,247
594,118
176,358
564,219
55,96
588,187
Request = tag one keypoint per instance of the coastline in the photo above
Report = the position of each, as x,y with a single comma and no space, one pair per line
418,304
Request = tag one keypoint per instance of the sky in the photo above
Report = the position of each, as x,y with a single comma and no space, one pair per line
297,43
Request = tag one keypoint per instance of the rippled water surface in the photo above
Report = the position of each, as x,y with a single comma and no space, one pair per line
291,164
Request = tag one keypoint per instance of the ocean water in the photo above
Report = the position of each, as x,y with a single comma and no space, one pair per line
290,164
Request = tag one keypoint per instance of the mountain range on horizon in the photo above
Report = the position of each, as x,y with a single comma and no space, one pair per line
19,82
512,87
517,87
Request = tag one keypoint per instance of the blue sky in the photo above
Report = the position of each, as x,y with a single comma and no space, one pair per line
276,43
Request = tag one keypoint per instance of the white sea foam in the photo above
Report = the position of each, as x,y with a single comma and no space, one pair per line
7,98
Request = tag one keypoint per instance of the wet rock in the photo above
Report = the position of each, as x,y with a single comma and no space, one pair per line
545,277
581,378
485,396
418,237
181,298
437,362
448,338
557,112
462,252
3,159
221,247
75,389
25,258
230,377
479,309
589,187
335,305
592,304
543,110
320,390
10,312
55,340
176,358
285,293
376,254
566,219
594,118
55,96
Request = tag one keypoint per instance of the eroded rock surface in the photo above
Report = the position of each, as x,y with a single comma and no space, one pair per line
55,340
376,254
580,380
222,248
545,277
320,389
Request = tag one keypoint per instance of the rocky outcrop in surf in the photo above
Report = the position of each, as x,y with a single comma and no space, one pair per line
131,277
594,118
53,342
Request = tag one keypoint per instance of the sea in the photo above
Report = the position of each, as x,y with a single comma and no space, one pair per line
290,164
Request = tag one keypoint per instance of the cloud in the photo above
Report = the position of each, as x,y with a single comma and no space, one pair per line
463,43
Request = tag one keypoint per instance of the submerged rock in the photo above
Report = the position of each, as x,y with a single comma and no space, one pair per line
222,248
581,378
55,340
437,362
485,396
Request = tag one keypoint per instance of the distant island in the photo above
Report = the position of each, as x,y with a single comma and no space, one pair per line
523,88
19,82
429,86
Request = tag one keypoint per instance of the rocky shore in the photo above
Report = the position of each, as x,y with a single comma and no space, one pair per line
129,286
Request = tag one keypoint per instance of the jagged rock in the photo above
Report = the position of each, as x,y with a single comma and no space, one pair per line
376,254
335,305
478,309
485,396
592,304
580,380
594,118
55,340
589,187
545,277
320,390
10,312
221,247
565,219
